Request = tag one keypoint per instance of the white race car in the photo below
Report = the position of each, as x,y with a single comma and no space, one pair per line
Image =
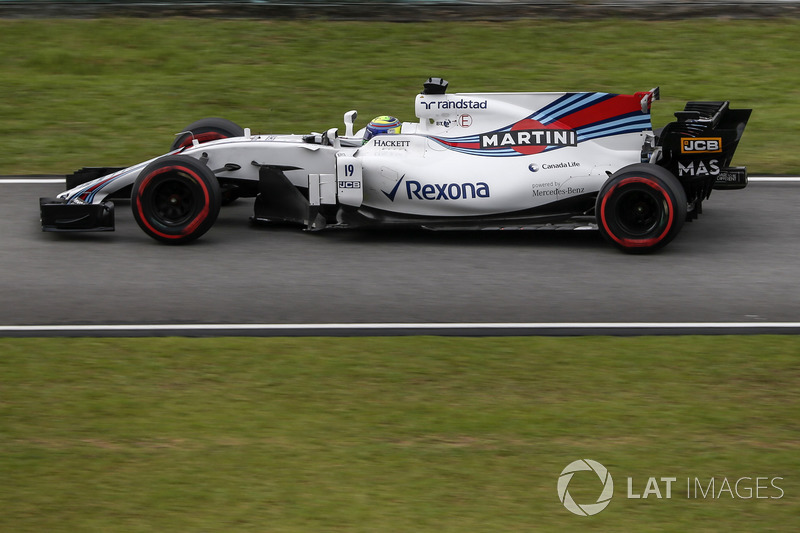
473,161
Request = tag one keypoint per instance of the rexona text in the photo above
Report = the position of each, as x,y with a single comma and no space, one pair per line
446,191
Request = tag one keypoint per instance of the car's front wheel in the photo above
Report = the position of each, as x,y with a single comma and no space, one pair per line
641,208
176,199
206,130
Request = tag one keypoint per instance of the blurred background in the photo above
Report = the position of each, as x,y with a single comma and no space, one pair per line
403,9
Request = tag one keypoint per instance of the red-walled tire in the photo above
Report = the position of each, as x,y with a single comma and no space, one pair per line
641,208
205,130
176,199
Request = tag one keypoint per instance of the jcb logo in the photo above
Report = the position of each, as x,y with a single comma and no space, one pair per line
709,145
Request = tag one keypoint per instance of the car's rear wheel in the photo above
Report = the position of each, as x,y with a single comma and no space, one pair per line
206,130
176,199
641,208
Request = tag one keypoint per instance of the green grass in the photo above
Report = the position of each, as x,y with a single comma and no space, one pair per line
388,434
114,91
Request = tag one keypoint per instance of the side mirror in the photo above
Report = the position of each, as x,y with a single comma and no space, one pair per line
349,119
331,138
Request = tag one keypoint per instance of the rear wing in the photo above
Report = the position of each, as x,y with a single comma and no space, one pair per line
699,146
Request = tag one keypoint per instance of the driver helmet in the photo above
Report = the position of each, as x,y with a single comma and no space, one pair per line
381,125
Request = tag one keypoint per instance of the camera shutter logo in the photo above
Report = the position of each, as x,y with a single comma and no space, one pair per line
590,508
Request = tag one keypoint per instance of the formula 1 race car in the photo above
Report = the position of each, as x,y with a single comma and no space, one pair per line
574,160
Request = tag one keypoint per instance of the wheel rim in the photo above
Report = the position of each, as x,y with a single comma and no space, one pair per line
173,202
640,212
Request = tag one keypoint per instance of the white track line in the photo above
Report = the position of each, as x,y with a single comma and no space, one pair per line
393,326
775,179
30,181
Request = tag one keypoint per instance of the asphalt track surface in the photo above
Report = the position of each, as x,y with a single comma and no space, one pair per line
736,265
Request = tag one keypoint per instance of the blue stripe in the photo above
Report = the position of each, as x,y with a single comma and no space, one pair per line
567,99
633,128
500,152
588,100
643,120
91,184
611,131
470,139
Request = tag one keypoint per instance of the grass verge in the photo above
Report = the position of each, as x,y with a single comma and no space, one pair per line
114,91
383,434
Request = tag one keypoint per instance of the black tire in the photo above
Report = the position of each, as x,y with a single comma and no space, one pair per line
176,199
207,129
641,208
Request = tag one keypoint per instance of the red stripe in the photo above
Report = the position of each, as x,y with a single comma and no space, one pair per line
460,145
98,185
613,107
